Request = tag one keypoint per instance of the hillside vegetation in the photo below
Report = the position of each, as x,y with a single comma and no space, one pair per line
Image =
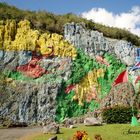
45,21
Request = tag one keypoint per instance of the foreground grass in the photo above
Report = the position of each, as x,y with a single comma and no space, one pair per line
107,132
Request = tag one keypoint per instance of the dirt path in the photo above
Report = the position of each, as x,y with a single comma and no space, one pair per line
18,133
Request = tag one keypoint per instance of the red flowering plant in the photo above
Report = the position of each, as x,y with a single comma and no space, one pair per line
80,135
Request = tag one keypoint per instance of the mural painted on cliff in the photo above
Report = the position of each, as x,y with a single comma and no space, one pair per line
41,46
48,58
24,38
88,88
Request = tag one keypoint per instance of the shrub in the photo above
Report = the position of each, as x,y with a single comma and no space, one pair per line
118,114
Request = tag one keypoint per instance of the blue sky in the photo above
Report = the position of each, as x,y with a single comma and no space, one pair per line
116,13
74,6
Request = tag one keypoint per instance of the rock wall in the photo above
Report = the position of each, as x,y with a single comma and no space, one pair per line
122,94
37,69
33,100
94,43
34,66
30,103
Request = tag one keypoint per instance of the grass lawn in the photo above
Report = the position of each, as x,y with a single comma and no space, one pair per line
107,132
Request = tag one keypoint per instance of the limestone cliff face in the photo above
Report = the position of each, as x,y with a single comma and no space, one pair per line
31,103
32,100
35,65
94,43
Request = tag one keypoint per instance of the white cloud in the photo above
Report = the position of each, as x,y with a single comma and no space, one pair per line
129,20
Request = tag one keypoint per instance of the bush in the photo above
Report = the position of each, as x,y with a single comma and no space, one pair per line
118,114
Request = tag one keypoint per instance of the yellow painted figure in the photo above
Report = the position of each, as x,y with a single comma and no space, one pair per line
24,38
88,88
